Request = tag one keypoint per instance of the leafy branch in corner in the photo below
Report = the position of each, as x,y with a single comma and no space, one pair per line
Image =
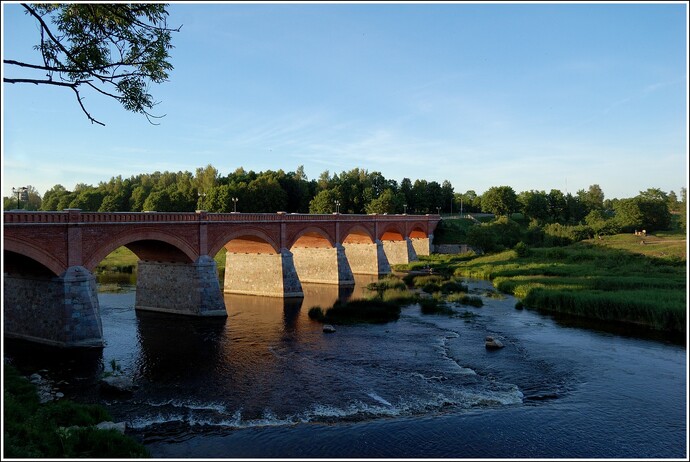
116,50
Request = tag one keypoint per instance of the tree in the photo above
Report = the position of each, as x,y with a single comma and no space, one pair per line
205,179
557,205
535,204
499,200
324,202
593,198
266,195
114,49
447,196
469,201
642,212
406,190
421,201
88,200
387,202
683,208
654,194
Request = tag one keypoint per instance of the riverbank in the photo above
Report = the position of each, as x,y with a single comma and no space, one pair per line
39,428
605,280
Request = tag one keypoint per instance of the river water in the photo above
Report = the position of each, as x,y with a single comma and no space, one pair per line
267,382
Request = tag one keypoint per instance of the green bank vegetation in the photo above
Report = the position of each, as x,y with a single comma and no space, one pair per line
612,278
57,429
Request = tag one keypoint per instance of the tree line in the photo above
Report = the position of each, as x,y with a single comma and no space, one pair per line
356,191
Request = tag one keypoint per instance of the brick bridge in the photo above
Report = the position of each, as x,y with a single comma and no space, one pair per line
50,294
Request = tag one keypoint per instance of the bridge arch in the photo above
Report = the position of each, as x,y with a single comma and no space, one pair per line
391,232
358,234
418,231
35,253
146,244
245,240
314,237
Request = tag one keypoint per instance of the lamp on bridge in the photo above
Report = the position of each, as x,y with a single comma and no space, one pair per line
404,209
337,207
234,203
21,191
438,210
202,196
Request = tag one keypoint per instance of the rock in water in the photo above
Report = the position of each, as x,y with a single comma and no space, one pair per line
118,384
492,343
327,328
119,426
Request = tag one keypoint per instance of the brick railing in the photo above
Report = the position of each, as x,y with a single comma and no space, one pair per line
77,216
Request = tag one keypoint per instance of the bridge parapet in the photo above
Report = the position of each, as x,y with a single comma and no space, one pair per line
35,217
77,216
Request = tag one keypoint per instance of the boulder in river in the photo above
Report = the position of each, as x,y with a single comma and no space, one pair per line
327,328
492,343
118,384
119,426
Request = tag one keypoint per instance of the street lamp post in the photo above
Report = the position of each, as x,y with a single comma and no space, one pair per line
438,210
337,207
202,197
19,192
234,203
404,209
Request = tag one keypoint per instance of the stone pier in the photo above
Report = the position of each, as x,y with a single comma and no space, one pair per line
266,274
422,246
323,265
61,311
180,288
399,252
367,258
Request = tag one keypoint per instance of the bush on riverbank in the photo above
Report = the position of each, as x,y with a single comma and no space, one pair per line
35,430
373,311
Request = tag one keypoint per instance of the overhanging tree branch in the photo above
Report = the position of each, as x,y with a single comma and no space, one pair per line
117,50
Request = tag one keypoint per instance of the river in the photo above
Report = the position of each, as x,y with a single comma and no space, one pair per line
267,382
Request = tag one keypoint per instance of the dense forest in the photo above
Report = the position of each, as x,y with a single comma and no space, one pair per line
360,192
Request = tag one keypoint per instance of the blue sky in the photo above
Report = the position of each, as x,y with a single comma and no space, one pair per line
533,96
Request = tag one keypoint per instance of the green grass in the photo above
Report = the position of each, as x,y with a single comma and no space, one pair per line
610,280
465,299
663,245
35,430
387,282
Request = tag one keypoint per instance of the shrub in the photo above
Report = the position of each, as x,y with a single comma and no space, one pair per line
362,311
316,313
398,296
453,286
421,281
465,299
388,282
433,306
521,249
431,287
